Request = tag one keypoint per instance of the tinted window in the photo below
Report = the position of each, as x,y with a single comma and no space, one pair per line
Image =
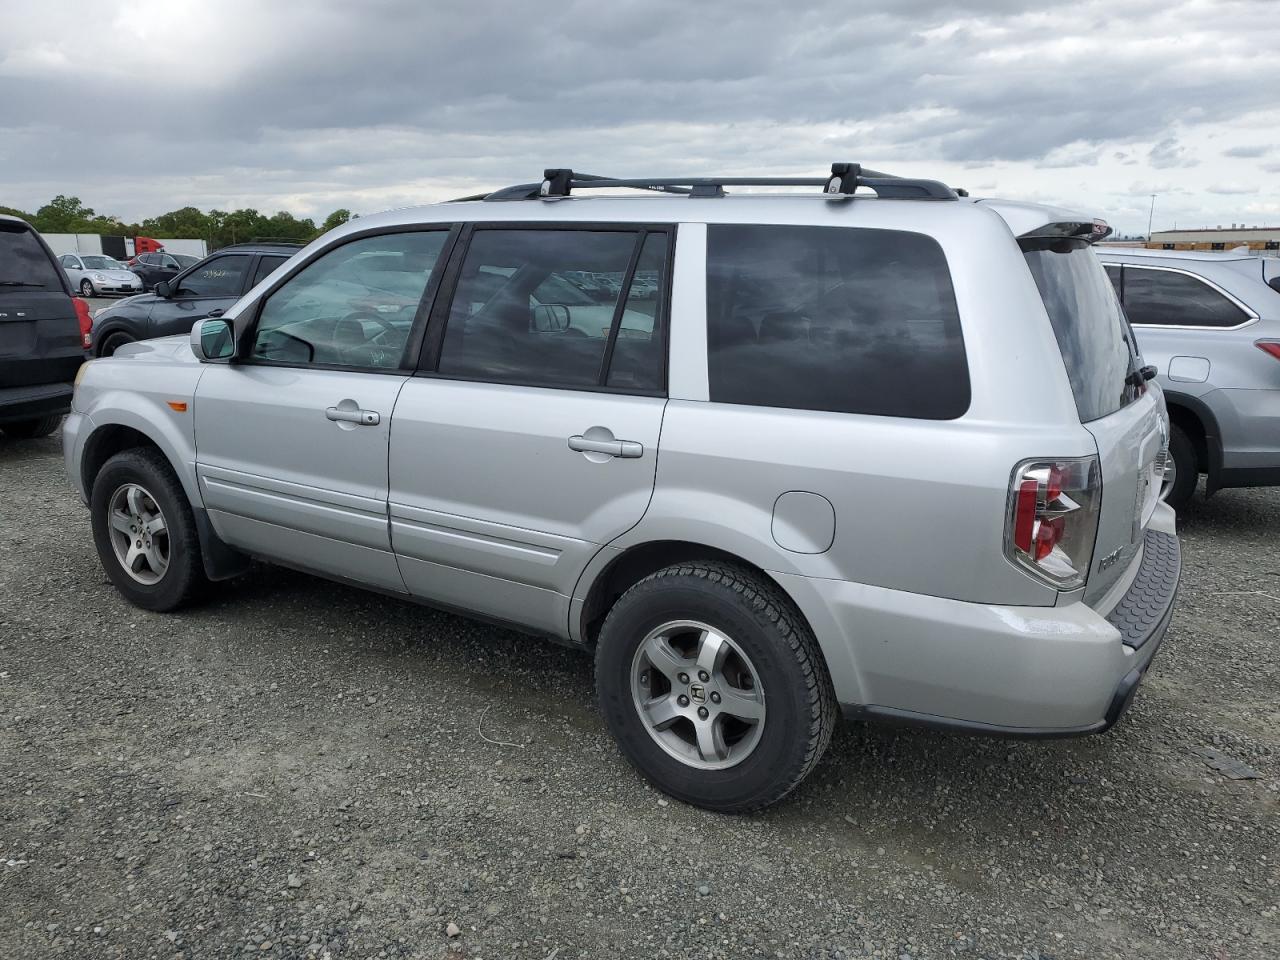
23,261
265,266
101,263
218,277
1166,298
353,306
1088,324
638,361
182,261
833,318
537,307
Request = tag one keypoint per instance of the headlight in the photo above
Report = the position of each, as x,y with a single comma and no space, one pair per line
80,373
99,277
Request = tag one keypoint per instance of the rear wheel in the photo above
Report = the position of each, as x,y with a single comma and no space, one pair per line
86,288
714,687
30,429
145,531
1182,472
114,343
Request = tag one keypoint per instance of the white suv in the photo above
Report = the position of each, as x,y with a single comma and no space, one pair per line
768,455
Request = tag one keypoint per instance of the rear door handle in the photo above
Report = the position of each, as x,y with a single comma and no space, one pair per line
363,418
627,449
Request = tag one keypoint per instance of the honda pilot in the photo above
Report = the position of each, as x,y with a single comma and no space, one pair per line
860,445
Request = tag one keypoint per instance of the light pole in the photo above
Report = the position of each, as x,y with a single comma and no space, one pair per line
1150,216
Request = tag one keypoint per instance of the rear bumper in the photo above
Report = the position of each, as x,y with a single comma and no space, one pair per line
1005,671
29,403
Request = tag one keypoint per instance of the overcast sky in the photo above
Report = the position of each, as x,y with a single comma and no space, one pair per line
142,107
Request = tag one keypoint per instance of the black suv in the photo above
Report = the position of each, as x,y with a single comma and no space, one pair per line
43,333
203,290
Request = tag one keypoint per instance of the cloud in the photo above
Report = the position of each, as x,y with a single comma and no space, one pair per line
1250,151
390,102
1169,153
1232,189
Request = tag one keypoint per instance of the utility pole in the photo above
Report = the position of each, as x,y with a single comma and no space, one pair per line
1150,216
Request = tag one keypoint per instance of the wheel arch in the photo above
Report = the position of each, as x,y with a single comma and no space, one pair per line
106,440
1198,422
614,571
125,429
101,336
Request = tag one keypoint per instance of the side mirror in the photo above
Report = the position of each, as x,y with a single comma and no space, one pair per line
550,318
213,340
162,289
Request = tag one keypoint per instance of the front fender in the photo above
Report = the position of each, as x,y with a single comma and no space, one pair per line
172,431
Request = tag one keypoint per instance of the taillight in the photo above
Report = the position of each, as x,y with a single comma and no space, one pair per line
1053,518
1269,346
86,321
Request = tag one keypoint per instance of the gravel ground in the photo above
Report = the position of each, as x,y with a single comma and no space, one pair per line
298,769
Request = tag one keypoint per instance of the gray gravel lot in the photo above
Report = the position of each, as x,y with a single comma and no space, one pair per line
298,769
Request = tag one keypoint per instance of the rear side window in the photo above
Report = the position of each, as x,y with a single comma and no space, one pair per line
266,265
1087,321
1165,298
23,261
839,319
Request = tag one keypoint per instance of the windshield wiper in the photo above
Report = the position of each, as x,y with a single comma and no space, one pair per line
20,283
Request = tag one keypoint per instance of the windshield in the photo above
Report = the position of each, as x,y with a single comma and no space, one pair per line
183,260
102,263
1093,336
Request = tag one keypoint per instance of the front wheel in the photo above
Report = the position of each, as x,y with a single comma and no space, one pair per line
714,687
145,531
114,343
86,288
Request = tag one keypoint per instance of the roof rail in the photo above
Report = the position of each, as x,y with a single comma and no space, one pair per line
845,178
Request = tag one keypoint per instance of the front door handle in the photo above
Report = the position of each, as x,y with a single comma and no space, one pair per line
363,418
627,449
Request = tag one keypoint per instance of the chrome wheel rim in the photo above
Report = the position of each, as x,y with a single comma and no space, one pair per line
86,288
698,695
139,534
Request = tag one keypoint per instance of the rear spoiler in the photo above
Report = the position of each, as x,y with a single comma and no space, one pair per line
1089,230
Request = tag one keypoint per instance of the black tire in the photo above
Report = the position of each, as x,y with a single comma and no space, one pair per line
801,705
1183,453
113,343
184,578
86,288
31,429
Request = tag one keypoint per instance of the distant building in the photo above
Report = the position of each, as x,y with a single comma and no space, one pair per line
1263,240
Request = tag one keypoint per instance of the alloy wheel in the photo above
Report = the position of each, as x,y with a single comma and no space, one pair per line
139,534
698,694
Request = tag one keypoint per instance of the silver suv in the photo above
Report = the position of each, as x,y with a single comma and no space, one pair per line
770,456
1210,322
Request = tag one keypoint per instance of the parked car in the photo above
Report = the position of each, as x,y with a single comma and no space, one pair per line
1210,322
204,289
94,274
43,333
892,455
152,268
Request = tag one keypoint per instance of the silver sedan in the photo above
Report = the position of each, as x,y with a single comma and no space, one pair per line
92,274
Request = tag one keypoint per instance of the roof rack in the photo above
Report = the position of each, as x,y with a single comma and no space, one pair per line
845,178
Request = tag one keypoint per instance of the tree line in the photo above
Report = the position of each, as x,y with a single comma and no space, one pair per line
217,228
